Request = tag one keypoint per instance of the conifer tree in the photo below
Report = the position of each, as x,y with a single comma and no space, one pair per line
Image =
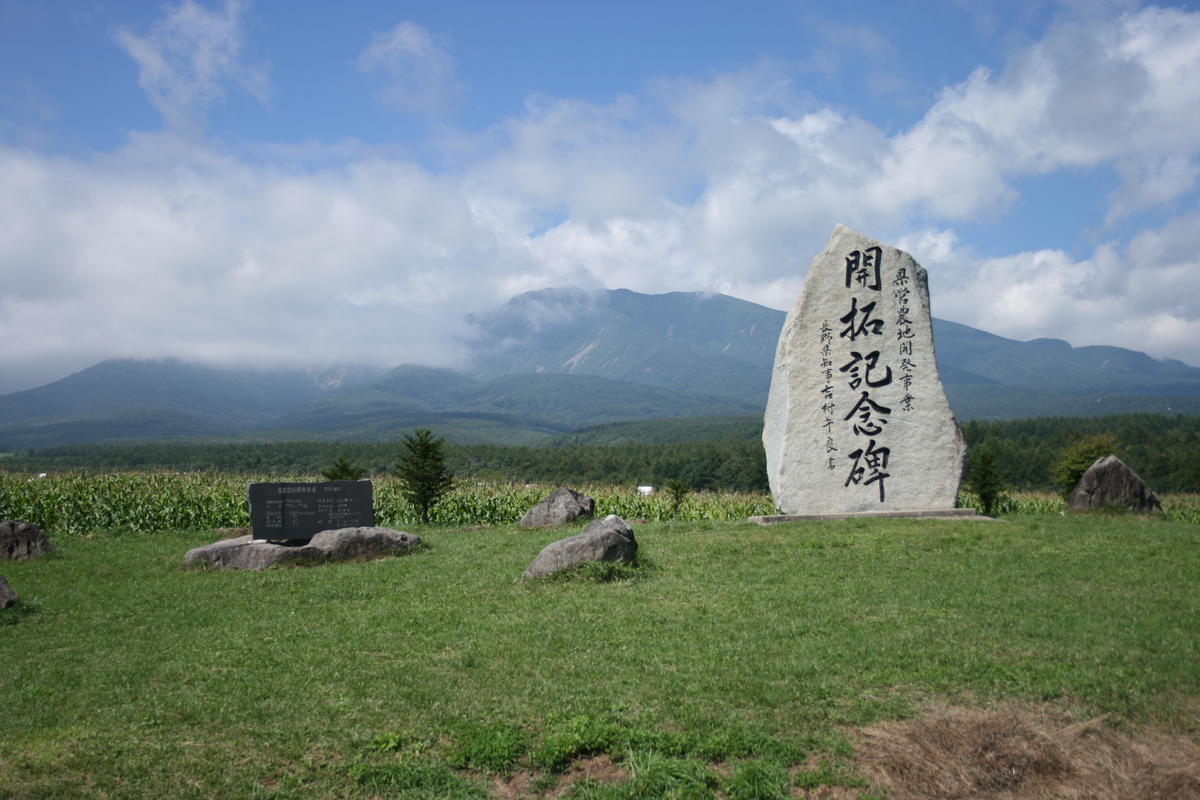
983,478
343,470
676,490
424,479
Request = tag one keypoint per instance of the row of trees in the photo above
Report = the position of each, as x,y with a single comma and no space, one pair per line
728,465
1022,454
983,478
1162,450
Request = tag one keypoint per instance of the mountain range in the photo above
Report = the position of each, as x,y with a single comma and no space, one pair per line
550,362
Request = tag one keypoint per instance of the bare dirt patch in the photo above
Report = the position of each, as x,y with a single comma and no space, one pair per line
1014,752
516,786
1008,753
522,785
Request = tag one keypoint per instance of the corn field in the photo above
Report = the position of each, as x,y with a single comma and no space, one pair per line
1179,506
146,502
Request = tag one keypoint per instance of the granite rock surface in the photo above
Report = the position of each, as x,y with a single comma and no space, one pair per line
608,539
343,544
7,595
20,540
1108,482
857,418
562,507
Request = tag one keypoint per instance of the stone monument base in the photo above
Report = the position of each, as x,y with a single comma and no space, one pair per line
943,513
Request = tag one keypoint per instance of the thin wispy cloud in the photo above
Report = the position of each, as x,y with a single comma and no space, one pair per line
189,58
414,71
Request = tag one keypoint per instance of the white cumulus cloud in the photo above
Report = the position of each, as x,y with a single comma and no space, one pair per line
171,246
1123,91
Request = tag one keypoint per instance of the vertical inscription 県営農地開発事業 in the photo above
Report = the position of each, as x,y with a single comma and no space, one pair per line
845,431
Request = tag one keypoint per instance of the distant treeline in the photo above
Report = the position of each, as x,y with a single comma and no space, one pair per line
1165,451
723,465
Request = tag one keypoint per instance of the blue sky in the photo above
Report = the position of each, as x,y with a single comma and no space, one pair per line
297,182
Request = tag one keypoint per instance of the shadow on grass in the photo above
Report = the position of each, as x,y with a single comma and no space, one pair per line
19,611
600,572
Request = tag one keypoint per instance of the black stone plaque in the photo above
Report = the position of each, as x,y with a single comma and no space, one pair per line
300,510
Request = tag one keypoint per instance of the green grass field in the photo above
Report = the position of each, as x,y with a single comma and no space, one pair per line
736,662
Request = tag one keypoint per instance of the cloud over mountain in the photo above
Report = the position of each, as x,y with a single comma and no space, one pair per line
182,243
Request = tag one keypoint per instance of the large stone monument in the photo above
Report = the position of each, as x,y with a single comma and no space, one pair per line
857,420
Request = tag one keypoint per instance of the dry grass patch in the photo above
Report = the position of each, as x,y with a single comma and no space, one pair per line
1028,753
532,785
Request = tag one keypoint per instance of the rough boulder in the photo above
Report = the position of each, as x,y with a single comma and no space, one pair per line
608,539
343,544
7,595
20,540
563,506
1109,482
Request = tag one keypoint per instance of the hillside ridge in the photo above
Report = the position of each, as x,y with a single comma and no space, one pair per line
552,361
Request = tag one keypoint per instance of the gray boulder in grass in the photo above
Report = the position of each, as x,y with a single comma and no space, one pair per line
563,506
1108,482
608,539
343,544
19,540
7,595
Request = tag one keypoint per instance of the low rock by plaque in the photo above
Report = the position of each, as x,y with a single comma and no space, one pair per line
20,540
1109,483
7,595
344,544
562,507
608,539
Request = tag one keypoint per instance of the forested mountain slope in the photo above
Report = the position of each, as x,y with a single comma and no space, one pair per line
548,362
